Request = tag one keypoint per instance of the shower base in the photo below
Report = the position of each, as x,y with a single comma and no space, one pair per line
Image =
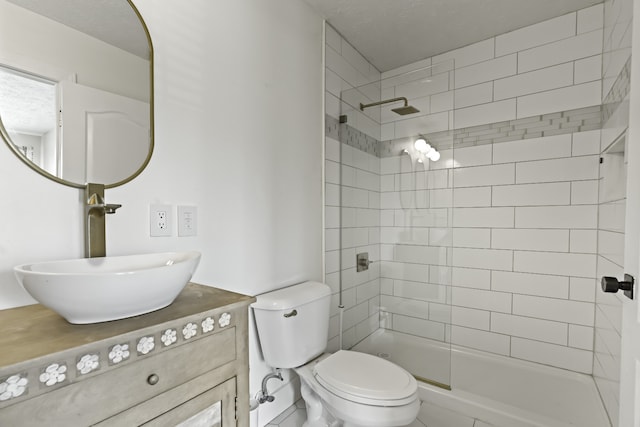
499,390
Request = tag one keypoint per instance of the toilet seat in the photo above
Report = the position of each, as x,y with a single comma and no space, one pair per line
364,378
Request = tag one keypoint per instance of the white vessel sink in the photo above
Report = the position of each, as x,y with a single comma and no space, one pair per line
91,290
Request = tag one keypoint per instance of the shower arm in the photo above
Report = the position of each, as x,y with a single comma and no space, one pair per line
386,101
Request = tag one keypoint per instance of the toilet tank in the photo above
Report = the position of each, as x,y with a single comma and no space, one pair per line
293,323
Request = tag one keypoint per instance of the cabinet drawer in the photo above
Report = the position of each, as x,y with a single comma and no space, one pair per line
94,399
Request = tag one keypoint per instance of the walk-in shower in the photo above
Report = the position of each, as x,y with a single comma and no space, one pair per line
462,274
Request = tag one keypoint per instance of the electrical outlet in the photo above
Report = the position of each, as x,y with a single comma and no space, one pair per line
187,221
160,220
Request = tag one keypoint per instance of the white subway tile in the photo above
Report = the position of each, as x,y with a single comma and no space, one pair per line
331,239
440,313
471,197
402,271
420,254
442,198
567,98
538,34
580,313
332,105
563,264
440,236
551,354
586,143
410,69
408,307
485,113
530,284
481,340
611,246
387,131
534,81
493,259
478,319
569,49
474,95
422,124
441,102
584,192
583,216
548,147
387,217
472,237
588,69
419,327
481,299
440,275
423,87
527,327
332,217
422,218
612,216
569,169
591,18
332,38
581,337
476,52
581,289
332,194
471,278
583,241
472,156
432,179
339,65
354,58
485,71
480,176
532,194
530,239
483,217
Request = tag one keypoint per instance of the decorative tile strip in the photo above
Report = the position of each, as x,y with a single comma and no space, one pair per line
118,353
224,320
53,374
618,93
146,345
88,363
13,387
169,337
208,324
190,330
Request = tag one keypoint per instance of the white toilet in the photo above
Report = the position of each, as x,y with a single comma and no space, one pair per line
346,388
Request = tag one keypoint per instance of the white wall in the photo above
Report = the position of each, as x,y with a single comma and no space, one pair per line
238,121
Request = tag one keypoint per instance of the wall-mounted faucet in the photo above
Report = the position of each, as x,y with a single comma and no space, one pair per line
263,394
95,210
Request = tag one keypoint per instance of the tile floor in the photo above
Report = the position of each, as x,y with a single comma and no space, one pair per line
429,416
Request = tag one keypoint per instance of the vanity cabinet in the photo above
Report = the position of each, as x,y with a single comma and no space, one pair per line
184,365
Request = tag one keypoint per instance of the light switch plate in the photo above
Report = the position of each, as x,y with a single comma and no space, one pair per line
187,221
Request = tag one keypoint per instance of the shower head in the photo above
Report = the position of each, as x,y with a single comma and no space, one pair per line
407,109
404,110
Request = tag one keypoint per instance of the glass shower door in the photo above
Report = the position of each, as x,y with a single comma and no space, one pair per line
396,202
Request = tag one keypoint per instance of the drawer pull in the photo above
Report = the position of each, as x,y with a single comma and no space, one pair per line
293,313
153,379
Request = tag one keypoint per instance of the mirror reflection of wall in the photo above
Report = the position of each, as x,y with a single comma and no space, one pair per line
28,113
98,46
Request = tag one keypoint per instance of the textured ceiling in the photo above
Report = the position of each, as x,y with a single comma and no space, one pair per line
112,21
392,33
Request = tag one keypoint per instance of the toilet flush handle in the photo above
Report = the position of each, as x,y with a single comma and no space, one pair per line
291,314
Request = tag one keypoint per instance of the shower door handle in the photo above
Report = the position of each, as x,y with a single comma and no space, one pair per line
611,284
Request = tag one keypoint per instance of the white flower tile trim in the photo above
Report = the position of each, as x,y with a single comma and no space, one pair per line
118,353
190,330
53,374
224,320
169,337
208,324
13,387
88,363
146,345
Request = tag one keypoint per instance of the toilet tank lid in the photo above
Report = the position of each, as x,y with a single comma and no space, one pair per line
291,296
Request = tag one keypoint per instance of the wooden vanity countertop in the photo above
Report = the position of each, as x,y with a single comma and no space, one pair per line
34,331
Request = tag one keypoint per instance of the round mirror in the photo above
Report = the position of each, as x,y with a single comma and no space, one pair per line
76,89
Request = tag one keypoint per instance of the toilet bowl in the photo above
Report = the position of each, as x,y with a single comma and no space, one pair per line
343,389
354,389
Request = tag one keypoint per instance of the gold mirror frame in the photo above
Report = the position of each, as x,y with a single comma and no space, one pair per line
46,174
